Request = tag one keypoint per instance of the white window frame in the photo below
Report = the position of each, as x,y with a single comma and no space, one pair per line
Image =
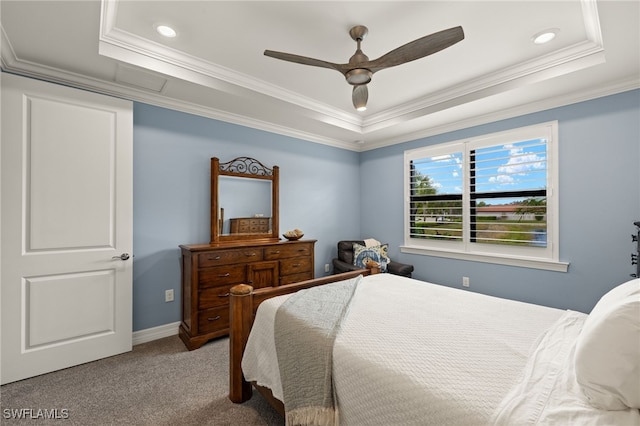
531,257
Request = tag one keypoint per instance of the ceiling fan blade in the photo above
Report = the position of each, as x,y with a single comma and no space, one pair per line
302,60
417,49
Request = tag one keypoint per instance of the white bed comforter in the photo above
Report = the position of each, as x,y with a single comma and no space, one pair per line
413,353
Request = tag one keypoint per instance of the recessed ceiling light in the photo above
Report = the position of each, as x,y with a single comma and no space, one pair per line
166,31
545,36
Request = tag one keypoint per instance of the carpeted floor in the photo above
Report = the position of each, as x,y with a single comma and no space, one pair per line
158,383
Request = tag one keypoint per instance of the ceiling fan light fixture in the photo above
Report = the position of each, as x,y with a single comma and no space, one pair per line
166,31
358,76
545,36
360,97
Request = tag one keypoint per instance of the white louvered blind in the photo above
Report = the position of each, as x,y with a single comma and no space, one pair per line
436,197
491,195
507,187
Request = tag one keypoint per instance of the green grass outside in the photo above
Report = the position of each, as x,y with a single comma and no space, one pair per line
514,232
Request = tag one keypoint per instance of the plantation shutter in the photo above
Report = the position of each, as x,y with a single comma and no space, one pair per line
490,198
436,197
507,191
480,192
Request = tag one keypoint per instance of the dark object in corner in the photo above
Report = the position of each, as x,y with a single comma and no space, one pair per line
634,256
344,261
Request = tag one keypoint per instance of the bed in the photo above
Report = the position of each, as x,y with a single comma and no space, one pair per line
408,352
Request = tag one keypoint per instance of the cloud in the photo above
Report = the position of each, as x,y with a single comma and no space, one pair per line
502,179
519,164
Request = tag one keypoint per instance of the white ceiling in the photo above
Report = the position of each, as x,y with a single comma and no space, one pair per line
215,67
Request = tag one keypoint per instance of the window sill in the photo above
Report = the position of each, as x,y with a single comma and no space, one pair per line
523,262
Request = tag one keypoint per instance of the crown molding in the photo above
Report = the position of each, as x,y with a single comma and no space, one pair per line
11,63
129,48
124,46
578,56
574,58
592,21
584,54
620,86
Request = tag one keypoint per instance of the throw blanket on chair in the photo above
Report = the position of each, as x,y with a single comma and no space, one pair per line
306,326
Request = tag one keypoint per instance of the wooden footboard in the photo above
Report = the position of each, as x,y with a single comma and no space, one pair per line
243,304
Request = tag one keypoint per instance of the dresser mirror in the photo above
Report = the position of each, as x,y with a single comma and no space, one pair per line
244,201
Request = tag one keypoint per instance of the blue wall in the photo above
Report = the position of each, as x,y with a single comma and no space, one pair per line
333,194
319,194
599,150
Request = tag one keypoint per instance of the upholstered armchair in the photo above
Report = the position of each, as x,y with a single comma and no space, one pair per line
344,261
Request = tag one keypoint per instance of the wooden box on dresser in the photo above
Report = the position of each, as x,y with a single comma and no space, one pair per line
210,270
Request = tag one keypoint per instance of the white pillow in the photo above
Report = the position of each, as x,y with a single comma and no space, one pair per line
607,357
629,288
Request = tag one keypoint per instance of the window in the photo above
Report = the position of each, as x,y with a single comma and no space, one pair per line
491,198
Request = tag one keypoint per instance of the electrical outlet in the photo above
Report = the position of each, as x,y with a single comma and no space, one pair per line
168,295
465,281
327,268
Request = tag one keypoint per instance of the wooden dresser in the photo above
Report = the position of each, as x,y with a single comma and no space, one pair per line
210,270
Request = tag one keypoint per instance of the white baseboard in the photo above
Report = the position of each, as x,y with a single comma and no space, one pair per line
155,333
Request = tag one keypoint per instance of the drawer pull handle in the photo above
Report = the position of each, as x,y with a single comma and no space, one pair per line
295,265
224,295
216,318
249,254
275,252
302,250
214,258
224,275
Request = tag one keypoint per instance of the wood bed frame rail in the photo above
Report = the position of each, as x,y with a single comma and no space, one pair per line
243,304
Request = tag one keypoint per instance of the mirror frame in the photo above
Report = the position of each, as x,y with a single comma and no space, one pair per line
243,167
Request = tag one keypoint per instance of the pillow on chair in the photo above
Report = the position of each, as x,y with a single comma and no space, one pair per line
379,254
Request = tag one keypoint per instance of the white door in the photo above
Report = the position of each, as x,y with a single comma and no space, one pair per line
66,218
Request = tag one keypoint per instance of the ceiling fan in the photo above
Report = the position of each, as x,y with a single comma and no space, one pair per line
359,70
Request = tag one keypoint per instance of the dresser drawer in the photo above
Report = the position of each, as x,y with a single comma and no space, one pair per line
213,319
295,265
288,250
221,275
296,278
227,257
214,296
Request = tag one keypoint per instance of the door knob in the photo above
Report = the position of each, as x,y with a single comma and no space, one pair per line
123,256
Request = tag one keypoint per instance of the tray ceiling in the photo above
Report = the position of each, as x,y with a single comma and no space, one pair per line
215,66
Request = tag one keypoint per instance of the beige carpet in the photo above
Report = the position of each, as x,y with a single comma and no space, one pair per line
158,383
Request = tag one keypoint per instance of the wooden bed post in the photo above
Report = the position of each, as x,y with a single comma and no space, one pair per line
241,311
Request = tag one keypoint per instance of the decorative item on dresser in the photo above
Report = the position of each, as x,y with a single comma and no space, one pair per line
209,271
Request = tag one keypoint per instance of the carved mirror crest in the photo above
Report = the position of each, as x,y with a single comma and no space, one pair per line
244,201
